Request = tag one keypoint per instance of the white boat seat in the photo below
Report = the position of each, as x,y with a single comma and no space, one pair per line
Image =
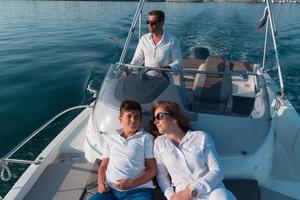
243,189
191,63
92,185
248,189
212,93
78,181
241,66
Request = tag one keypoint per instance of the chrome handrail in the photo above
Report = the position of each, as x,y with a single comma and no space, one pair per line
271,21
265,45
137,15
140,24
20,161
6,174
22,143
190,70
4,168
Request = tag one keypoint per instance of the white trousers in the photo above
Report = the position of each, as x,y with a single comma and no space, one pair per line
218,194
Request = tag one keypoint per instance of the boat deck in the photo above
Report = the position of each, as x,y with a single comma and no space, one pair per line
71,177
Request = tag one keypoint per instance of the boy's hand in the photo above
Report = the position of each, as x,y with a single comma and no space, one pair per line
124,184
103,187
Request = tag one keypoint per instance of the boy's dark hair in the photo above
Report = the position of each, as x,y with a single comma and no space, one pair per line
159,14
129,105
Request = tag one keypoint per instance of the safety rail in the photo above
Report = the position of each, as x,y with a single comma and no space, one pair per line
137,15
191,71
5,169
4,161
270,22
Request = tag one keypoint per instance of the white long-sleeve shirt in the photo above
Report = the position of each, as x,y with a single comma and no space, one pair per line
194,161
165,53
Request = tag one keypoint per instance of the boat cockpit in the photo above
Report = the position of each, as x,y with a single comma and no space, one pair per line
228,99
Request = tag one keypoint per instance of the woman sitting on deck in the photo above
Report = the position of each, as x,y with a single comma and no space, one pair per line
188,158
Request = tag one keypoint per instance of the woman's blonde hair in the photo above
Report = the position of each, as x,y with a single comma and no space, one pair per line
174,111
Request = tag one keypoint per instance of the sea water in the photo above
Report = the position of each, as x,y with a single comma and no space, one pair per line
50,51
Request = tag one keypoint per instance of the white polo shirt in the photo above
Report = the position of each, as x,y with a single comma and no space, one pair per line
127,156
165,52
195,162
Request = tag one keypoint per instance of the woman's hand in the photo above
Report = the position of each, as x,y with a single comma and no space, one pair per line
182,195
103,187
124,184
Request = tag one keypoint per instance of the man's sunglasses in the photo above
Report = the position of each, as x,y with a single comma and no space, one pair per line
160,116
148,22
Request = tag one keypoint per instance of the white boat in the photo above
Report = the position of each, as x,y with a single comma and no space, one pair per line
255,128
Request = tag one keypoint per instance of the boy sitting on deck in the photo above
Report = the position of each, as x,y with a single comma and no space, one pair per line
128,164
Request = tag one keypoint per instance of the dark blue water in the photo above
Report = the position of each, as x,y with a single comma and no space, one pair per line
49,50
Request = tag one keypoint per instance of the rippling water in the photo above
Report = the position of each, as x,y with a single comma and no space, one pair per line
49,50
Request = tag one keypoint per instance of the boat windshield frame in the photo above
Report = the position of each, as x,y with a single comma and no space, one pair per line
120,67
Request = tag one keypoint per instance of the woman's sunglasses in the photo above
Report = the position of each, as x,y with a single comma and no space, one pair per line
160,116
148,22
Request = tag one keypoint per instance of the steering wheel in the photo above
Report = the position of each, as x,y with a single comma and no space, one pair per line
142,74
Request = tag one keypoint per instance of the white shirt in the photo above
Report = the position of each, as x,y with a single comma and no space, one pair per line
165,53
194,161
127,156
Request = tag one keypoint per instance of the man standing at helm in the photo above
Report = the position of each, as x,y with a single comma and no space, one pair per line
157,48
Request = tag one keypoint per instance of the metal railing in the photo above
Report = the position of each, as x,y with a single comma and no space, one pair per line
191,71
271,24
4,161
137,15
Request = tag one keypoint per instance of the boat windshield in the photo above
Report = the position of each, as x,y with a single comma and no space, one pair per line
138,86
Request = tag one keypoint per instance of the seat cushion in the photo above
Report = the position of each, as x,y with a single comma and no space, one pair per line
212,87
241,66
245,189
212,93
192,63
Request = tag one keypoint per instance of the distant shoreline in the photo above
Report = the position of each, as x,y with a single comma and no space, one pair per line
179,1
193,1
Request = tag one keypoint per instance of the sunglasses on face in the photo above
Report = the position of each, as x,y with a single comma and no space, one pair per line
160,116
148,22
